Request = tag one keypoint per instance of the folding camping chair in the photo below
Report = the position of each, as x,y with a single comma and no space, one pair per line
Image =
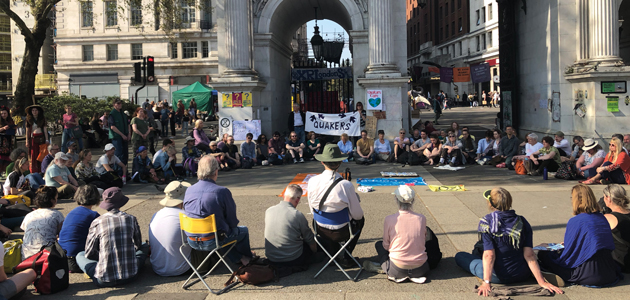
207,225
336,218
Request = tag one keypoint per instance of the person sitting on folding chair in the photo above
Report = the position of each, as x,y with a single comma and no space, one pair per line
341,197
206,198
402,253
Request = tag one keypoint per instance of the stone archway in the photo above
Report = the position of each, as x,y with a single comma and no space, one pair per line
256,53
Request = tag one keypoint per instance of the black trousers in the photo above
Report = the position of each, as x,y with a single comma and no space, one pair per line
550,164
457,154
330,239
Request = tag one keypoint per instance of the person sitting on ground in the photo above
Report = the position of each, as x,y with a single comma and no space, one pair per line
295,147
262,148
165,233
165,144
219,156
508,254
72,151
206,198
52,150
588,245
451,153
109,167
455,129
341,197
345,146
16,154
576,153
484,147
232,156
190,155
422,143
465,128
401,145
202,142
17,183
74,230
382,148
313,146
142,168
546,157
365,150
402,254
616,199
592,159
414,136
289,241
531,145
428,127
626,141
85,171
277,148
42,226
114,253
432,152
469,148
616,167
58,176
224,140
620,137
248,148
12,288
561,144
443,136
509,147
164,163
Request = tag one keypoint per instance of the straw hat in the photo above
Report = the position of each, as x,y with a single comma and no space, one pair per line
589,144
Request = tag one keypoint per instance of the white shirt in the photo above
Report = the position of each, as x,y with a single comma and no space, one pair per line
564,145
341,196
529,149
297,119
7,182
165,240
384,147
40,228
104,161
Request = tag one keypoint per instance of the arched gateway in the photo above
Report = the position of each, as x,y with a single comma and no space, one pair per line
255,54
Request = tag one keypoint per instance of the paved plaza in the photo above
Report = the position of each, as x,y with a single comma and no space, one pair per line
452,215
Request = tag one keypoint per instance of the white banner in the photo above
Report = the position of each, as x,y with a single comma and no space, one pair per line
333,124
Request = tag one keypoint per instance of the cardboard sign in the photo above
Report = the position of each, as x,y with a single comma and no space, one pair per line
374,99
370,126
612,104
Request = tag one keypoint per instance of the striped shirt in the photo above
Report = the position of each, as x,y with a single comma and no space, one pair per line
112,241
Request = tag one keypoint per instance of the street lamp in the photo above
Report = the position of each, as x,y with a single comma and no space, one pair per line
317,42
422,3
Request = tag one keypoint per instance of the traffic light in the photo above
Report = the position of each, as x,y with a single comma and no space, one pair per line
137,72
150,70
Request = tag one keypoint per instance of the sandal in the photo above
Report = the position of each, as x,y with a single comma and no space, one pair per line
589,181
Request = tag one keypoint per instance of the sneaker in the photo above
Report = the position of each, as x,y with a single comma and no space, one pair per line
553,279
419,280
451,164
294,161
396,280
372,267
439,164
301,160
604,181
346,263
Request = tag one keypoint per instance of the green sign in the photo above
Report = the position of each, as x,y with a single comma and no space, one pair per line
613,104
614,87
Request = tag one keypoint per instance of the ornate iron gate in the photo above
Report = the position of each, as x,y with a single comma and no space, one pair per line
321,89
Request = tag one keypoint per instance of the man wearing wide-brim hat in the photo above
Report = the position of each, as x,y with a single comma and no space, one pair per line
592,158
341,196
165,233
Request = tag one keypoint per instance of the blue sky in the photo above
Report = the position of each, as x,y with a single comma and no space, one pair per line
328,26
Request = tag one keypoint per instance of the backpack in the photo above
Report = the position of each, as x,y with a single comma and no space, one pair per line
519,167
247,163
274,159
415,159
567,170
432,246
51,266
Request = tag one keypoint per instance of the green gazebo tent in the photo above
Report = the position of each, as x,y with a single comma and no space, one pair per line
200,92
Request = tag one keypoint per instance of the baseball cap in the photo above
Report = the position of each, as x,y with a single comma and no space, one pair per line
61,155
190,138
175,192
109,146
405,194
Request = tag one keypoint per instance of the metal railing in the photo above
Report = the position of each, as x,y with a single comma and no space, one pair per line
205,24
46,82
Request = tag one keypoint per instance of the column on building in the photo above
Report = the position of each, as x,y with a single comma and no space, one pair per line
381,48
604,30
238,38
583,31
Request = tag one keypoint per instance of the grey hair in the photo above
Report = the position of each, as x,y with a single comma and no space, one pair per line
533,136
208,167
51,145
293,191
405,206
617,195
17,152
87,195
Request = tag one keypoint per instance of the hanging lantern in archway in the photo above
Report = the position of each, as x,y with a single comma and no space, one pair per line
317,42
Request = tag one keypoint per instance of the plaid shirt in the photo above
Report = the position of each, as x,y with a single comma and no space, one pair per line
112,241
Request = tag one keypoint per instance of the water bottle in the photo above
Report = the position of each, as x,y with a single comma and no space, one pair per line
545,173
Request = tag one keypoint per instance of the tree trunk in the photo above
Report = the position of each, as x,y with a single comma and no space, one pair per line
25,88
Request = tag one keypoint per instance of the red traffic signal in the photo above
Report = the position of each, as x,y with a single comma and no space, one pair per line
150,69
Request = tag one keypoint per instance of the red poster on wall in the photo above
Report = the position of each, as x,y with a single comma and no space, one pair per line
237,99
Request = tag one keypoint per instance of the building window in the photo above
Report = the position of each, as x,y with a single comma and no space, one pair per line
189,50
87,17
446,31
483,41
111,13
460,49
441,12
136,51
478,18
441,33
453,28
206,14
188,13
460,25
5,43
490,39
426,19
5,24
136,13
173,50
112,52
453,8
88,53
426,37
205,51
459,4
489,11
483,14
478,44
446,10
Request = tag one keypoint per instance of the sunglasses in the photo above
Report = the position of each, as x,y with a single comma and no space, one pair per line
611,145
451,136
294,136
402,132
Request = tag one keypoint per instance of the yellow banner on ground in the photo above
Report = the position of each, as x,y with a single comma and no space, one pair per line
447,188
